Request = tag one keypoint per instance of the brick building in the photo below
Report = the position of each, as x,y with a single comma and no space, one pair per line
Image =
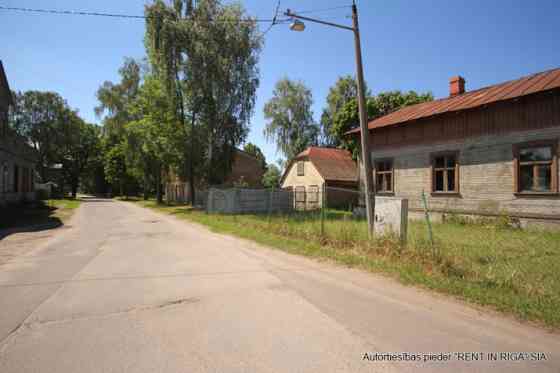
17,158
491,151
246,170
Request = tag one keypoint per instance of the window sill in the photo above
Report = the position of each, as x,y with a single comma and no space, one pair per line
385,194
536,194
446,194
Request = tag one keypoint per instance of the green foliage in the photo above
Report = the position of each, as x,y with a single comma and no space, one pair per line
78,150
116,107
271,178
290,119
37,116
154,140
209,69
115,166
115,100
344,90
256,152
58,135
348,118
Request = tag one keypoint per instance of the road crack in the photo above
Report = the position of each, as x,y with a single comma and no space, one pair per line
144,308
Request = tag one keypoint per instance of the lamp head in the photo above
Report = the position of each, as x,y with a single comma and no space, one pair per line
297,25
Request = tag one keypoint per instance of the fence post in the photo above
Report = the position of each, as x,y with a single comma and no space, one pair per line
323,202
427,215
270,196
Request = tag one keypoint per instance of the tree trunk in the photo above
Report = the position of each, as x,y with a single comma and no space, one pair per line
159,195
191,162
74,190
146,191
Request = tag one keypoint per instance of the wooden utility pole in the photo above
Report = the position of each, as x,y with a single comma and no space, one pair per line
364,132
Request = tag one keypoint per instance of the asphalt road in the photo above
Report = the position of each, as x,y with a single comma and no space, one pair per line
128,290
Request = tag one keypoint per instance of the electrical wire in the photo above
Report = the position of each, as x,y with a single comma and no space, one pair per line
102,14
273,20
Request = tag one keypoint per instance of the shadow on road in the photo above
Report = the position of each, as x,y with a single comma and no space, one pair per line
31,217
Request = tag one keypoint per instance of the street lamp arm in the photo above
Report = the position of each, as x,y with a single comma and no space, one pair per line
364,131
288,13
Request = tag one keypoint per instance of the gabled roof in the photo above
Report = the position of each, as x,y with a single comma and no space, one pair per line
4,86
332,164
540,82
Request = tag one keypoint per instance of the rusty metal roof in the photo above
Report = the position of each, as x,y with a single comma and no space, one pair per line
333,164
539,82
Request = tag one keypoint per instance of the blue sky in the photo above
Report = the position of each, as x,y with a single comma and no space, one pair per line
406,45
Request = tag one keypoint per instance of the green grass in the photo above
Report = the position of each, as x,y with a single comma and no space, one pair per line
48,214
510,270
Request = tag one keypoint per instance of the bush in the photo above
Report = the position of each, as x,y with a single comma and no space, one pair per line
42,195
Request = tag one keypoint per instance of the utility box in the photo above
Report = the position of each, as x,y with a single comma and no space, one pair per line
391,216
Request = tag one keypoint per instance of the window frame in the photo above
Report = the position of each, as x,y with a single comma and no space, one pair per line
302,172
445,169
378,173
553,144
15,180
5,177
302,190
312,190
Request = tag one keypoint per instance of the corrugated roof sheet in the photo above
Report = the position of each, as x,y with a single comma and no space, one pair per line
332,164
539,82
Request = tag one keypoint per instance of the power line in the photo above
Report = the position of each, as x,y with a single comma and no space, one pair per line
323,10
274,22
103,14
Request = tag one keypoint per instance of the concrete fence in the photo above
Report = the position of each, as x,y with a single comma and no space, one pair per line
239,201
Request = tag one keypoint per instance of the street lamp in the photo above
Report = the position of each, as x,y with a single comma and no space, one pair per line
298,25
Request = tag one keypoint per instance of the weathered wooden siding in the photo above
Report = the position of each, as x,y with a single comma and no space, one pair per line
524,114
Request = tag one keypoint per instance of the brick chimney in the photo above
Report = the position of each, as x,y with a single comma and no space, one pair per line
456,86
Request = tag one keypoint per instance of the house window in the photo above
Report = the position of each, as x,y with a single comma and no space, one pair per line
3,123
300,168
313,192
445,172
300,194
384,176
5,173
536,168
16,179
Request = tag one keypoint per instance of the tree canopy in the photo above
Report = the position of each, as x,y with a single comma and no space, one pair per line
348,118
271,178
256,152
344,90
208,62
290,118
58,135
